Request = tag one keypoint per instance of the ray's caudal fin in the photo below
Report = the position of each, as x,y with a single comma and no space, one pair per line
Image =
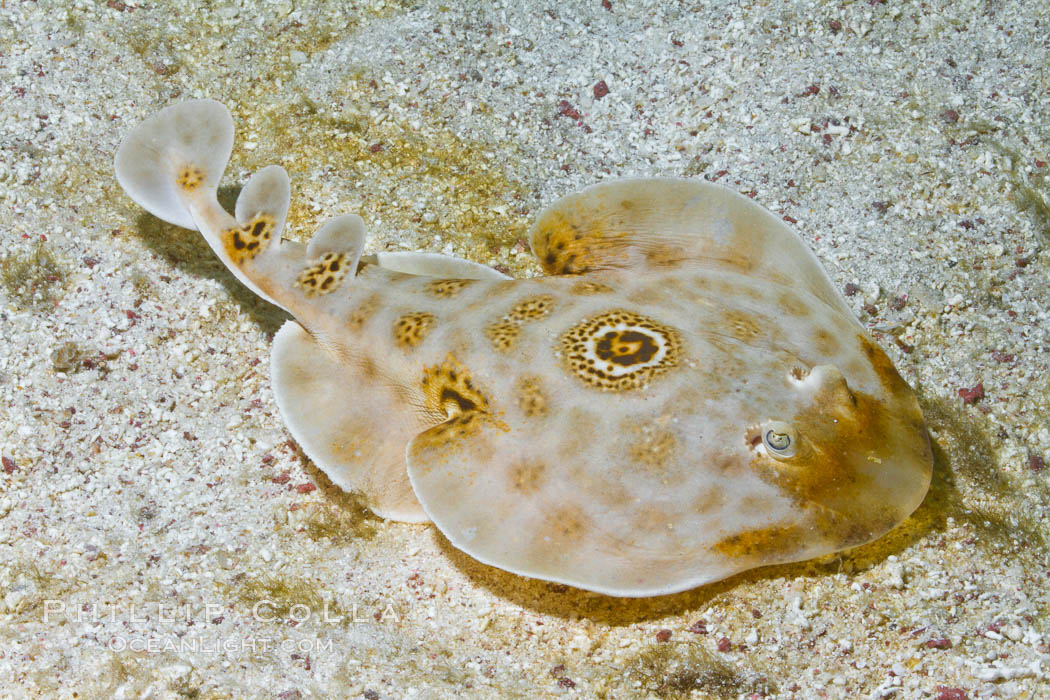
171,165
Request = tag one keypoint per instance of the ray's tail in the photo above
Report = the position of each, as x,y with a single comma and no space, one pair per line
353,421
171,165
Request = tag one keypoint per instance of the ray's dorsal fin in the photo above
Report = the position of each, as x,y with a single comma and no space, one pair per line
666,222
262,204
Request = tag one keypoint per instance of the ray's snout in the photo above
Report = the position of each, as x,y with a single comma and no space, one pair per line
860,463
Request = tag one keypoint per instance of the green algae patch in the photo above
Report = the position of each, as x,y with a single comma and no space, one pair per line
68,358
669,670
1031,191
1030,200
271,597
342,520
33,279
29,588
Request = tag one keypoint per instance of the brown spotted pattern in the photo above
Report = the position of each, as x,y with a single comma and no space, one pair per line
654,521
562,529
653,447
561,246
504,332
827,344
573,244
448,390
190,178
243,243
664,255
742,326
531,398
791,303
620,350
531,308
411,329
527,477
324,276
446,289
364,311
449,394
710,500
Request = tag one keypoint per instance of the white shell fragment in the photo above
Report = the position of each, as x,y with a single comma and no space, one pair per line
683,397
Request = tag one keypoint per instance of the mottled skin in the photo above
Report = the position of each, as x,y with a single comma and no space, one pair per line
616,425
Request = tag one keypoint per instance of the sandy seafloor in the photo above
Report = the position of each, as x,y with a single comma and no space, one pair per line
151,499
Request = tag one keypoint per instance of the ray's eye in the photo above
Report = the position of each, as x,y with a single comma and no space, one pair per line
780,439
